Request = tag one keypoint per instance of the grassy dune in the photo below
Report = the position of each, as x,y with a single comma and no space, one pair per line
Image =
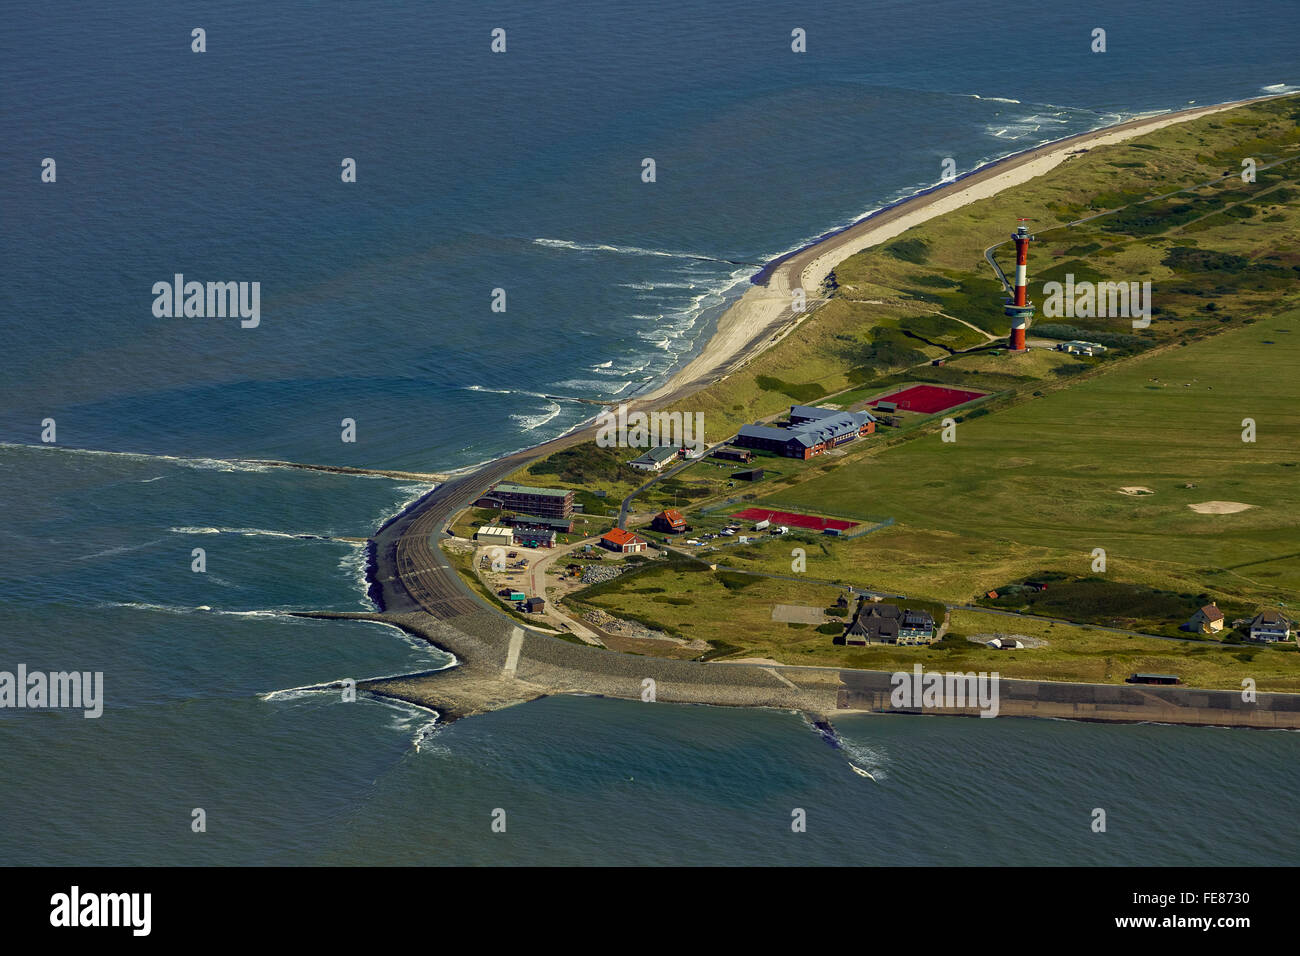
1042,481
735,615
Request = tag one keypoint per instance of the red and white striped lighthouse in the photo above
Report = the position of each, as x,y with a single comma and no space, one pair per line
1020,308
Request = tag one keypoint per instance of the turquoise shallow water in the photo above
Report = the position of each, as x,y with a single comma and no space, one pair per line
478,172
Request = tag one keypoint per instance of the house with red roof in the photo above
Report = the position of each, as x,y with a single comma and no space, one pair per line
669,521
624,542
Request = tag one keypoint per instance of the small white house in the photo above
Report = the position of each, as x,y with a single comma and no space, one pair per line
654,459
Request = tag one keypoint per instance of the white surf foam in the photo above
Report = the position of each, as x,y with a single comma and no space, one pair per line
257,532
530,422
655,286
621,250
992,99
202,464
202,609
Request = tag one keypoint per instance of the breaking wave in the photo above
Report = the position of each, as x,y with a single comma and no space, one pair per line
530,422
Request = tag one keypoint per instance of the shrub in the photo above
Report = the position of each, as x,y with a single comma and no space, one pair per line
915,251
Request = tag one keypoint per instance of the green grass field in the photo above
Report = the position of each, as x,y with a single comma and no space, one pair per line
734,613
1045,477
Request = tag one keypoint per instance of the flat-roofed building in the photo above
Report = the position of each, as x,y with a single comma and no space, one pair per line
494,534
534,537
742,455
540,523
547,502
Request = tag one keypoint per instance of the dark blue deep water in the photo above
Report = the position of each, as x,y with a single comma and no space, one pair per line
518,171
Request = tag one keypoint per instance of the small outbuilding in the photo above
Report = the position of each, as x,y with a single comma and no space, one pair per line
743,455
1153,679
495,534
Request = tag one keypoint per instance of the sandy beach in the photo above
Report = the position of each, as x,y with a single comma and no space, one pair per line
763,314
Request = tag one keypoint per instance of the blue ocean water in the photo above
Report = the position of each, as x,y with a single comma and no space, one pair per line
518,171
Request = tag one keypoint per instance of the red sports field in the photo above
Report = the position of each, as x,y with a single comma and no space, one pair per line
928,398
791,518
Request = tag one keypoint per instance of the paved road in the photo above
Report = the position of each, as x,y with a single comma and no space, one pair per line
685,463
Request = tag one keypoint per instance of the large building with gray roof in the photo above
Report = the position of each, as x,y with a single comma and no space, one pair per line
809,432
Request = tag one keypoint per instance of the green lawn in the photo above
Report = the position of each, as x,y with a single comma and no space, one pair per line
1046,476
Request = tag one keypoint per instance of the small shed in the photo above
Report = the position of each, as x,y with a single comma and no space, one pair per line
534,605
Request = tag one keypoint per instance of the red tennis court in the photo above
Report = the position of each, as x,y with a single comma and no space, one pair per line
928,398
791,518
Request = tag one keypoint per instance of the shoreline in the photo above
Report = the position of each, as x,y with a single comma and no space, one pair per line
468,687
760,316
502,662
